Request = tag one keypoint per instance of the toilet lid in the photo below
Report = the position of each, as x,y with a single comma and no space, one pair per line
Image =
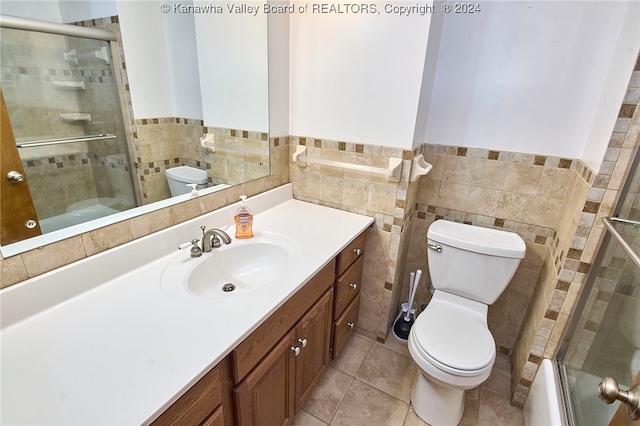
454,339
187,174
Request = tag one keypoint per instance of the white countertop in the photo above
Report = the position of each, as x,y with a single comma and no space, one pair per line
100,342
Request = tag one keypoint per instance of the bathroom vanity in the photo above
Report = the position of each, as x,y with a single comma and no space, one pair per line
102,341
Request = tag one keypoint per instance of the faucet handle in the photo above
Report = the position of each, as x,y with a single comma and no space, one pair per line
215,241
196,251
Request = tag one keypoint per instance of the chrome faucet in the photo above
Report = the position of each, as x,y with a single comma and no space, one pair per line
211,239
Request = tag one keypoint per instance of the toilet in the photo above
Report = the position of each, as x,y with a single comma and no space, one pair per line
450,341
179,177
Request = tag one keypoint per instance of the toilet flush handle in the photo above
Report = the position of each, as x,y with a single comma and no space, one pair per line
436,247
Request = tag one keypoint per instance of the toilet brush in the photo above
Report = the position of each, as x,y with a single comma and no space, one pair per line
403,323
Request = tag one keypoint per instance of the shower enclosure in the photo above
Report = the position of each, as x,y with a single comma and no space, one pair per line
604,339
63,103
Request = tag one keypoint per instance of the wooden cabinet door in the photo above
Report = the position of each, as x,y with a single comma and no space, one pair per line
17,206
313,336
266,395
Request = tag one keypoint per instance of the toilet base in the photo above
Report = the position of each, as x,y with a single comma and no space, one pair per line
436,404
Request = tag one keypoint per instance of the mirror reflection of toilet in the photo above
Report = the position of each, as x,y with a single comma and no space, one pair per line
450,341
179,177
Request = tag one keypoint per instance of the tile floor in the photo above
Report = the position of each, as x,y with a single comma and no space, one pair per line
370,384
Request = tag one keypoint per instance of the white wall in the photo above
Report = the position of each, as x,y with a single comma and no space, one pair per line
142,27
279,64
429,76
43,10
623,57
196,65
233,61
74,10
182,62
527,76
357,77
59,11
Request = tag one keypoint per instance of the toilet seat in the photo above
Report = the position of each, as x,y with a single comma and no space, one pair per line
454,341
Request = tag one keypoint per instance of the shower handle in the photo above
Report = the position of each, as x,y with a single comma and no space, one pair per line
15,177
609,391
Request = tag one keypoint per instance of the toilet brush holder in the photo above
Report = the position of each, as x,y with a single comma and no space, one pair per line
403,310
402,325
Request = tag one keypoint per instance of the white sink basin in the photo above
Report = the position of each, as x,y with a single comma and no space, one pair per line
231,270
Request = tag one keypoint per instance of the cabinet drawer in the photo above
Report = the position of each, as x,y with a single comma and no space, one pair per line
350,253
195,406
344,326
252,349
215,419
347,287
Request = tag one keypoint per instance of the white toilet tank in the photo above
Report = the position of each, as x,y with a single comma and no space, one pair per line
179,177
473,262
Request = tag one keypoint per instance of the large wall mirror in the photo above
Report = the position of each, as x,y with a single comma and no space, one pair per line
106,130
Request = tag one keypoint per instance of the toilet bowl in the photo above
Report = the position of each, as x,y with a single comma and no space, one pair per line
179,177
450,341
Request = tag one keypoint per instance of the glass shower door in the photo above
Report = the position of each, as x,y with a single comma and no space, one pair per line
605,341
63,102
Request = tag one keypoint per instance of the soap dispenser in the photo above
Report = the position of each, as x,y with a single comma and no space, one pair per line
243,220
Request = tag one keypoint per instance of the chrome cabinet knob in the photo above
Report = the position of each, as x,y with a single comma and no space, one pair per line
353,286
295,350
350,324
303,342
357,251
609,391
15,177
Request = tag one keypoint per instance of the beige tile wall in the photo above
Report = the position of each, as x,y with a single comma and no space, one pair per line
241,155
371,195
163,143
524,193
476,186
